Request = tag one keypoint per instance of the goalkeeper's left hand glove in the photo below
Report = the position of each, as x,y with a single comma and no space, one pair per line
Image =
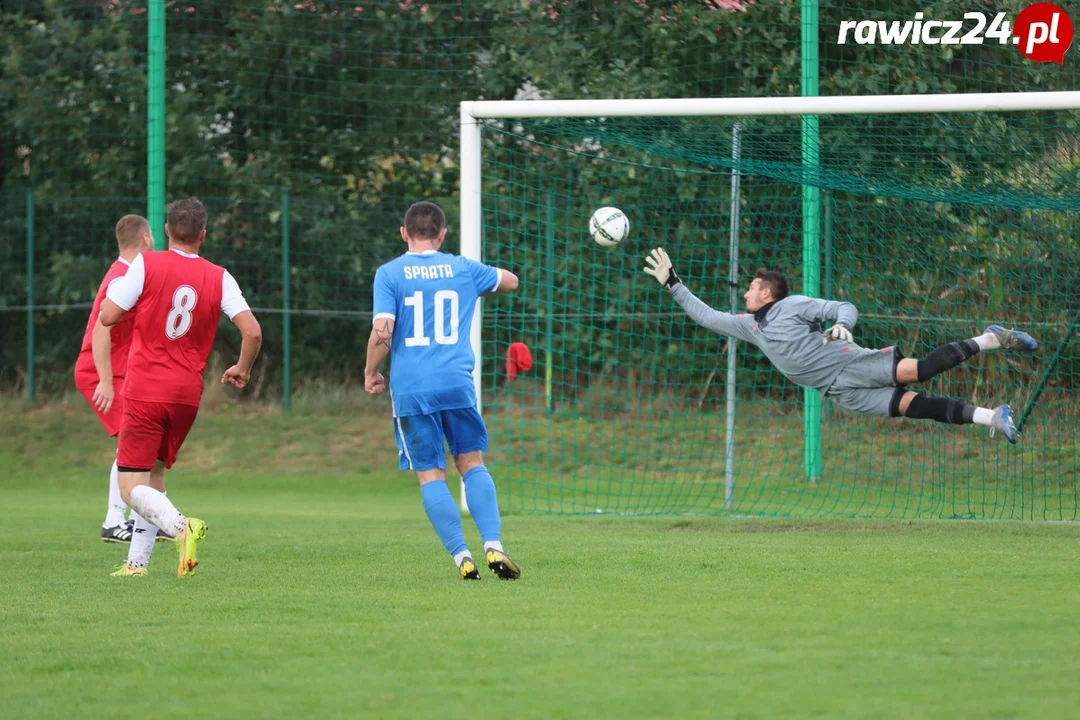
837,332
660,268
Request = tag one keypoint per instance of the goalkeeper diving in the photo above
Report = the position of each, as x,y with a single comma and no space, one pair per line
789,330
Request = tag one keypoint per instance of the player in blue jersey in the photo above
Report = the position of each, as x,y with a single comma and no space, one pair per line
424,302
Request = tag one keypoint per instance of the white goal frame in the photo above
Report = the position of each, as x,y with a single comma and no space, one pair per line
474,112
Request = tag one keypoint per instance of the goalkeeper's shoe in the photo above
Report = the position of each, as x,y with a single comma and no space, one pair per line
1002,422
118,533
126,570
501,564
187,545
467,569
1013,339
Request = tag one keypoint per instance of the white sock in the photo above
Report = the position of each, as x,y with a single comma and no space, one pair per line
157,508
461,556
987,341
983,416
142,542
493,545
115,514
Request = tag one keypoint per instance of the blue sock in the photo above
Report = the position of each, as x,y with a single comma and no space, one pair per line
483,504
444,515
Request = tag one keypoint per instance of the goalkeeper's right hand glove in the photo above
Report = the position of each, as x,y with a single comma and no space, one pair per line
660,268
837,332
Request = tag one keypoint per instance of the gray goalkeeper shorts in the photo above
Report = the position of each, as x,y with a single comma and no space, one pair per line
867,384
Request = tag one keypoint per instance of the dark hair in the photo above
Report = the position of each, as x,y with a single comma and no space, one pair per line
775,281
186,220
129,229
424,221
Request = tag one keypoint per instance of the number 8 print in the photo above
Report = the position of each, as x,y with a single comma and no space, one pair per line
178,322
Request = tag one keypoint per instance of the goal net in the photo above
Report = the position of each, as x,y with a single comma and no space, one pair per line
934,215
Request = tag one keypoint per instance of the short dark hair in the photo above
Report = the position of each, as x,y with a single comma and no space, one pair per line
424,221
129,229
186,219
775,281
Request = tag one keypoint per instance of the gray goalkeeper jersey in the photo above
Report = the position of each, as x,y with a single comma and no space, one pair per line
788,331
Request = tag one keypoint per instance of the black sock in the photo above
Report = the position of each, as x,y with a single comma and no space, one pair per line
943,410
946,357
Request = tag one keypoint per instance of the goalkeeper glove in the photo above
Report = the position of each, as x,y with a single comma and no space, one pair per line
660,268
837,332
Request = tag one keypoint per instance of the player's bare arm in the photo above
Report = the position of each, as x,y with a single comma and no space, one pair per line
508,282
250,344
102,351
382,334
111,313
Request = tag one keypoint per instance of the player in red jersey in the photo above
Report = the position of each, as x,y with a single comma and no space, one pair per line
99,379
177,298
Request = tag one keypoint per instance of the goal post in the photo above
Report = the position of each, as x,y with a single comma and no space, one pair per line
587,133
471,220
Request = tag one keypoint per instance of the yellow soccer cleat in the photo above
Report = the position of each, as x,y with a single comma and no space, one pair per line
467,570
187,543
126,570
501,564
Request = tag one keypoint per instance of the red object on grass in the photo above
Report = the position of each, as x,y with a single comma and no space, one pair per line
518,359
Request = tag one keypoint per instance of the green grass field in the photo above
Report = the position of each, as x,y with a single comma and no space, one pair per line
323,592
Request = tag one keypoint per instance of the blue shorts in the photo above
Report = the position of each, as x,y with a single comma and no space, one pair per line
420,437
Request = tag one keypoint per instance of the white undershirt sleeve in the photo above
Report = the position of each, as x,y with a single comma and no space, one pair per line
125,291
232,300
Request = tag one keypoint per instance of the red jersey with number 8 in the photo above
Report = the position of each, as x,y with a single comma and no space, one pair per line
176,320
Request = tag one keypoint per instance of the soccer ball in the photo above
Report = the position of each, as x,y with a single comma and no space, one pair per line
609,226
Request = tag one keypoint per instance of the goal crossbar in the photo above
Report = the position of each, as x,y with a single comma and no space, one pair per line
820,105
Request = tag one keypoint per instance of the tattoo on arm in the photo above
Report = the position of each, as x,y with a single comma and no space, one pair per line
383,334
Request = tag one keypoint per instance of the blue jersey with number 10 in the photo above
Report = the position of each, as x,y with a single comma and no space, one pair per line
431,297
